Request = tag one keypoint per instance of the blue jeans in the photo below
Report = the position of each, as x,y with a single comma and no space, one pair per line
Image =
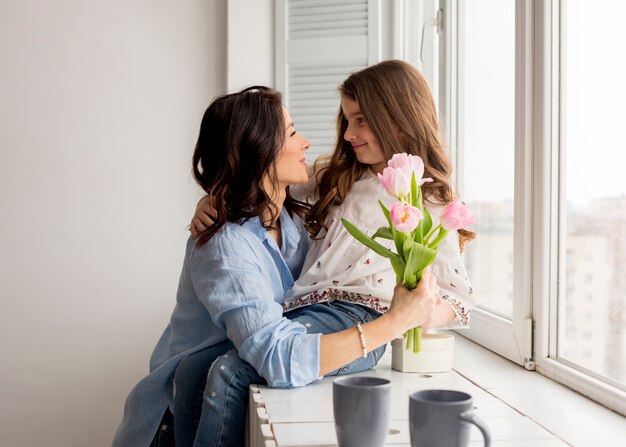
220,418
189,382
164,436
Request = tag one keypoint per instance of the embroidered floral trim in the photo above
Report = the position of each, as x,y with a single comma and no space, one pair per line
329,295
462,314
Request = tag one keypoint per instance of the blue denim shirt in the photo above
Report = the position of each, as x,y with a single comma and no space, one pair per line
231,287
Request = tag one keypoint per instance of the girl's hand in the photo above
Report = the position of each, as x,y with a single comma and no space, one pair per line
202,218
411,308
443,315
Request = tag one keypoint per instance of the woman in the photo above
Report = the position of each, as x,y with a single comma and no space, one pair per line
235,276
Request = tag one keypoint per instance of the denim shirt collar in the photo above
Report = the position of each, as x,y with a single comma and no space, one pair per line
290,234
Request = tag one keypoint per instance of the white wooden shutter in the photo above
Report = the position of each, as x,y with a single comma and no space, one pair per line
318,44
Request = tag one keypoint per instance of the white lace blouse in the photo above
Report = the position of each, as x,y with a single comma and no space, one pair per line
338,267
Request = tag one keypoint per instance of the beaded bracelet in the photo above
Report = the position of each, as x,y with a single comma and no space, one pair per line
362,337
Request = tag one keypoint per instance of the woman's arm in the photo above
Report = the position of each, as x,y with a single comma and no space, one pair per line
235,279
236,290
408,309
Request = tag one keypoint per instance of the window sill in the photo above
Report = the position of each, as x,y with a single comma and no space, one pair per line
521,408
572,417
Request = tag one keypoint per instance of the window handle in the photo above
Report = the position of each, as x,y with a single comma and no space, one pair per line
437,22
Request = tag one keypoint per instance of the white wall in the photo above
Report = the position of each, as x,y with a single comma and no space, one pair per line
99,111
250,43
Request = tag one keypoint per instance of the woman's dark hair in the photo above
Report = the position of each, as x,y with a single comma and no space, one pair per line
241,137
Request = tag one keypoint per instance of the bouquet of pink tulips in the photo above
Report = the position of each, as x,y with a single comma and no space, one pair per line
410,226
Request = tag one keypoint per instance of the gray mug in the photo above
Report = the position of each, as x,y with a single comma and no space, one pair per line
361,407
442,418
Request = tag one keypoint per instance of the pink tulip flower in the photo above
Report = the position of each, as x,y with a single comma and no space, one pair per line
404,217
396,181
456,216
408,162
400,161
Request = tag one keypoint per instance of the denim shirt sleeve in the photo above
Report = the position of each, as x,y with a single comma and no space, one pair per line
235,279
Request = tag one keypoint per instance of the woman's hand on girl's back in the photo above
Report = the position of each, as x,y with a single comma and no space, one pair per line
202,218
415,307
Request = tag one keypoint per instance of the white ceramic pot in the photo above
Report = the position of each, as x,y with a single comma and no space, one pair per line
435,356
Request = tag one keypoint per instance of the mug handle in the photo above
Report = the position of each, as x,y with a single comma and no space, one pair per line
470,417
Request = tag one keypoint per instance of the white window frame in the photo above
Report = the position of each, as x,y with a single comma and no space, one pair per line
549,190
530,339
510,338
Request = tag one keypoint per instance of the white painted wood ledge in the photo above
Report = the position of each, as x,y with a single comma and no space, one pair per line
522,408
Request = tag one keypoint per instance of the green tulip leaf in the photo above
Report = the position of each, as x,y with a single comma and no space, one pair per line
369,242
425,224
407,246
385,212
419,258
383,233
399,238
399,267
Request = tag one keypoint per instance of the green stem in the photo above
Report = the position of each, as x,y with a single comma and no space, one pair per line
435,244
430,233
417,339
409,339
414,339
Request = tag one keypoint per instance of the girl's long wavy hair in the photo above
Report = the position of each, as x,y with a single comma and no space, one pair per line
241,137
399,108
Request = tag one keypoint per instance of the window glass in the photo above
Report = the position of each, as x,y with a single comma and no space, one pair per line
592,300
486,144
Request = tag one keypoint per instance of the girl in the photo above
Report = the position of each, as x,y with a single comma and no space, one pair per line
235,276
385,109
